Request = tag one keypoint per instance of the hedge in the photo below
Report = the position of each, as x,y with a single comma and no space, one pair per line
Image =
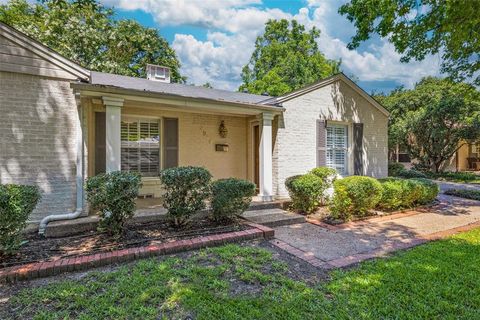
231,197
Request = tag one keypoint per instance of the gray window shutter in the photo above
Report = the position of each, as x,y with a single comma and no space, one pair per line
170,149
321,143
358,149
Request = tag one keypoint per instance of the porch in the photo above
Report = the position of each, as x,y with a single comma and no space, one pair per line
148,133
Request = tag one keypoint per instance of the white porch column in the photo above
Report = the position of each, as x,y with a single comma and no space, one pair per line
265,155
113,108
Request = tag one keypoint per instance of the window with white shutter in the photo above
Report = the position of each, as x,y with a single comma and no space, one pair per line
140,147
337,147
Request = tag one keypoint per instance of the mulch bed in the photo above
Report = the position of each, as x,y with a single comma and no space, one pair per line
39,248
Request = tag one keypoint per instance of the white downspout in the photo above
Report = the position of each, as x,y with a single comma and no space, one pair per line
79,177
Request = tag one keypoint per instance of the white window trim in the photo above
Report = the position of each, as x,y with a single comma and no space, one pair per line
349,160
126,118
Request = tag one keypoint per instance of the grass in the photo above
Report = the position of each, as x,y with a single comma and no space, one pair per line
464,193
439,280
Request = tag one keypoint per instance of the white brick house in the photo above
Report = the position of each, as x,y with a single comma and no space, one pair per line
61,123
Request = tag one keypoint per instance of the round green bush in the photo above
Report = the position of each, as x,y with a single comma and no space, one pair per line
393,194
16,204
429,190
186,189
355,196
305,192
113,195
231,197
328,175
395,168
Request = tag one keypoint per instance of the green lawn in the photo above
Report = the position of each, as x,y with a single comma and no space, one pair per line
439,280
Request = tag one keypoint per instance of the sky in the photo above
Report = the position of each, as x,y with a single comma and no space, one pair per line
214,39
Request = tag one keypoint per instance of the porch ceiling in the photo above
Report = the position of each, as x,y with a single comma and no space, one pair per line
174,102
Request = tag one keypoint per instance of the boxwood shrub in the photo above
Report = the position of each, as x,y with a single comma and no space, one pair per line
231,197
186,189
406,193
113,195
408,174
16,204
355,196
305,192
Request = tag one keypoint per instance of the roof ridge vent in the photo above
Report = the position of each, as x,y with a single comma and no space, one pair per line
158,73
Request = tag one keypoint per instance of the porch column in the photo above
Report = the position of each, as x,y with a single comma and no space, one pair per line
113,108
265,155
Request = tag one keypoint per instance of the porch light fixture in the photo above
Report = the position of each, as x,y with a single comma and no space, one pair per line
222,130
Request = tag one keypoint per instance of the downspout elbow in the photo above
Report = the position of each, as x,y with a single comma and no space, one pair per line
56,217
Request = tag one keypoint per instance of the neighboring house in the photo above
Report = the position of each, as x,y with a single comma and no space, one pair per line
62,123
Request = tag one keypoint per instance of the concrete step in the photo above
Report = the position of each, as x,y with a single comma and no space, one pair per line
277,204
273,217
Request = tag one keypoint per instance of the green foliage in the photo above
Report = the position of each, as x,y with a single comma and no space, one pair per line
464,193
306,192
231,197
407,174
406,193
433,120
16,204
286,58
88,33
429,189
420,28
355,196
113,195
328,175
463,177
186,189
394,169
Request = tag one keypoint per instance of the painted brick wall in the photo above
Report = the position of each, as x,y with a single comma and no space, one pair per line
38,125
295,148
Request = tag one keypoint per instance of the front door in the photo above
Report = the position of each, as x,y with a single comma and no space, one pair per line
256,155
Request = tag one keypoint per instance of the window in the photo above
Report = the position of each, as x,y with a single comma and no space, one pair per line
140,147
337,146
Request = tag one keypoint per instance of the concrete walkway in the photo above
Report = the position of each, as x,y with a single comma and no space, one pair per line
327,246
445,185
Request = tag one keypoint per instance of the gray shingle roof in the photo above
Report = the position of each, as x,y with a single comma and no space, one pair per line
113,80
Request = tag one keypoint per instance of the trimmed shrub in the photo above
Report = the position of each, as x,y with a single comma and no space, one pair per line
186,189
305,191
394,169
406,193
393,194
408,174
16,204
355,196
328,176
113,195
231,197
429,190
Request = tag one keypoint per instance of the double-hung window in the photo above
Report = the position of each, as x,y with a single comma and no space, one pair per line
140,146
337,148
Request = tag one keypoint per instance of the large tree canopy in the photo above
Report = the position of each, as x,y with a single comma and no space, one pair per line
286,58
87,33
421,27
434,119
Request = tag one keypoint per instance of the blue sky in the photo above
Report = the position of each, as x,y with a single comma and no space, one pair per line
215,38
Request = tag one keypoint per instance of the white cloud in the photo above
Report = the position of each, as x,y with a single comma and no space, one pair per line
233,25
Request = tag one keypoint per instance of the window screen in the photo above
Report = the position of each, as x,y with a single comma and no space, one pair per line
140,144
337,148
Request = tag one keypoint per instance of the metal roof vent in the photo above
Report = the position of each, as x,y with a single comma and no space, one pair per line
158,73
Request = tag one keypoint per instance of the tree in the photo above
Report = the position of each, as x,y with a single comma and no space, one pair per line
434,119
286,57
87,33
418,28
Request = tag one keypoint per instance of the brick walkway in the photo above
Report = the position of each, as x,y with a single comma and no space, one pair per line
328,247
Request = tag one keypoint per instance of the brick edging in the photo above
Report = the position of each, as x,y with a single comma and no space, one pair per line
50,268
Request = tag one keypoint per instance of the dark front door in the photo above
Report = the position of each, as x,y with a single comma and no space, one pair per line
100,149
256,155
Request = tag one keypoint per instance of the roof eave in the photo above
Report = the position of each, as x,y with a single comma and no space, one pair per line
103,89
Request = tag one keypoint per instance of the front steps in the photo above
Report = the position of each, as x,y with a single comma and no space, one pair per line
273,217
